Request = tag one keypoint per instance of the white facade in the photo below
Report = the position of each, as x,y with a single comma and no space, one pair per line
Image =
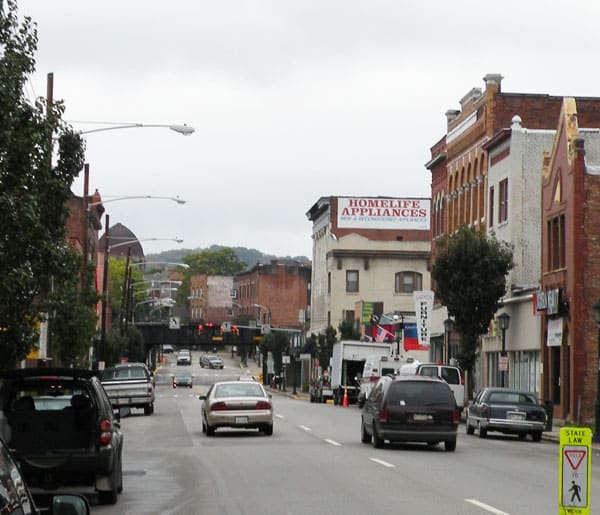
376,262
521,170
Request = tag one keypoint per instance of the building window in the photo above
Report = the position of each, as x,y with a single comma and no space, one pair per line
351,281
407,282
503,201
556,243
491,206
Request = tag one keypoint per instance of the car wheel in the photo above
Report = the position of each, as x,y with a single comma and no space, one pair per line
482,432
268,430
522,436
116,478
537,436
469,428
450,445
149,409
210,431
364,436
377,442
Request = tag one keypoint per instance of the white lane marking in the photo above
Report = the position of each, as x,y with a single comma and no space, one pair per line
279,416
333,442
304,428
384,463
487,507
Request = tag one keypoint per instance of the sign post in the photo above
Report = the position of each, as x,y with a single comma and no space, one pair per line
574,471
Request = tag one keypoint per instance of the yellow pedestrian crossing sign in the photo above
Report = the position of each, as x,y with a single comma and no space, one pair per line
574,471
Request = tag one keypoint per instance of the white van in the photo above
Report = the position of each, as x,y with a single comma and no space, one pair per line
375,367
452,375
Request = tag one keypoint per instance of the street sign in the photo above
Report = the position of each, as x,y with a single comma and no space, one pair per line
226,327
574,470
174,323
503,363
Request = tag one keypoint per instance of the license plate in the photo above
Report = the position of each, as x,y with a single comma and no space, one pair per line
516,416
419,417
241,420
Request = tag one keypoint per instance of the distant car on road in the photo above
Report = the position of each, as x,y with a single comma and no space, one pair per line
183,379
168,349
508,411
211,361
237,404
184,357
410,409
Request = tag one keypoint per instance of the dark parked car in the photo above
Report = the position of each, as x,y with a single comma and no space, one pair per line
60,427
211,361
183,379
507,411
410,409
15,496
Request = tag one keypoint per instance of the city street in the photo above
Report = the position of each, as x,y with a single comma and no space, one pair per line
315,463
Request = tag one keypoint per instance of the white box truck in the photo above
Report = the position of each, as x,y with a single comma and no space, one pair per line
347,364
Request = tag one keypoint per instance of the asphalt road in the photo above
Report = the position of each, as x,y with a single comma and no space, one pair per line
315,463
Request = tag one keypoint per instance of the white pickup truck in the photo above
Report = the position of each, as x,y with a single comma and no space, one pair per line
452,375
129,385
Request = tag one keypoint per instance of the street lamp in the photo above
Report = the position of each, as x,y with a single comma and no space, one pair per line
130,241
399,321
503,323
596,311
448,328
184,129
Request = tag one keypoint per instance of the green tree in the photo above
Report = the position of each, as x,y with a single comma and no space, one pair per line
73,324
325,346
278,344
469,274
34,253
348,330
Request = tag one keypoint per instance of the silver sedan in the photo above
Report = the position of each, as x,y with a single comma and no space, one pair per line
237,404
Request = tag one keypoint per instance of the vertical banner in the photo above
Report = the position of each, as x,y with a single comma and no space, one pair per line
423,310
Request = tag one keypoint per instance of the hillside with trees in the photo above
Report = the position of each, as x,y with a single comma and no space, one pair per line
250,257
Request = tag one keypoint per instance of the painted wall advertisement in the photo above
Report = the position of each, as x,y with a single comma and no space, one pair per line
383,213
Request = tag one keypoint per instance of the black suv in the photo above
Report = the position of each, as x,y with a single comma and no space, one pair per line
60,427
410,409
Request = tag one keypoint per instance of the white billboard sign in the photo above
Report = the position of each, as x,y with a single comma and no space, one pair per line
383,213
423,311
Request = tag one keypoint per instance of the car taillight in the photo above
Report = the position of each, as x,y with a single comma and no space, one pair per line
105,432
218,406
263,405
383,415
374,379
456,417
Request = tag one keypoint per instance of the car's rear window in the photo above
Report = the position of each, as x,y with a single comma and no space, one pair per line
114,374
449,374
46,395
511,398
413,393
239,390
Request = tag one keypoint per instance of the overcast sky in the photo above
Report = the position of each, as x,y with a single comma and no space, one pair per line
290,100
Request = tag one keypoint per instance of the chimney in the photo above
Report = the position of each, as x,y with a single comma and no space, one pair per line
493,82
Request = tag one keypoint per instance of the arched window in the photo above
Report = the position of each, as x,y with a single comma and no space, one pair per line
407,282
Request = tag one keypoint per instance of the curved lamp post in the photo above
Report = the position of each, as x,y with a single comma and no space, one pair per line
184,129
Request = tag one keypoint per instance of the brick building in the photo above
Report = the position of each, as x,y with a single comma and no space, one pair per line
210,298
276,293
570,282
469,166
